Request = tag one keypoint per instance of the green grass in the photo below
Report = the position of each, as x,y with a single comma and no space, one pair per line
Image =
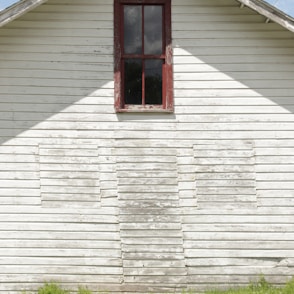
83,290
53,288
262,287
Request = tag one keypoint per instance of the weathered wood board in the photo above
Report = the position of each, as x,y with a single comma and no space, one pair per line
203,197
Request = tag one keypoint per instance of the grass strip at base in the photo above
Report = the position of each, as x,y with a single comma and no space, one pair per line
261,287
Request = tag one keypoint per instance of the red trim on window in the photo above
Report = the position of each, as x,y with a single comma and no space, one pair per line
167,72
117,57
143,60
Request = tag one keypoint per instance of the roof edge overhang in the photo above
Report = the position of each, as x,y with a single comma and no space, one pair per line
270,12
18,9
260,6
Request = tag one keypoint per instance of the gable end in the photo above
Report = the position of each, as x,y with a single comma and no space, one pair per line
270,12
18,9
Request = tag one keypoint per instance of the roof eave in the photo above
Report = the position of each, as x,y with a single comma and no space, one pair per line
18,9
270,12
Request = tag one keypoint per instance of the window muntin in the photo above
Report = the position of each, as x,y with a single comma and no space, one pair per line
143,69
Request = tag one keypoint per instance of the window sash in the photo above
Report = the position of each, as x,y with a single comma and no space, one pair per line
165,57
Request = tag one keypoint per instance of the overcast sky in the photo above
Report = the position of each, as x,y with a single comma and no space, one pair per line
284,5
6,3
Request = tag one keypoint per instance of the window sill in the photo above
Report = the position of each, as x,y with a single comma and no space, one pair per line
144,109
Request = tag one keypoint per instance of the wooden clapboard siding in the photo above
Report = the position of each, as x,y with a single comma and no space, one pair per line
134,211
44,70
228,67
225,174
19,176
69,175
150,223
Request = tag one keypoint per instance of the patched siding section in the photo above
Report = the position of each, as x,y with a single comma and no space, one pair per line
19,175
150,221
69,175
225,174
186,176
233,81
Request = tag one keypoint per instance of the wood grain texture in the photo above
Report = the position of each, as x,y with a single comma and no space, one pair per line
77,182
225,174
145,203
150,225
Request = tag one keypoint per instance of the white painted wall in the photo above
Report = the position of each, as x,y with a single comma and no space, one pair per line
145,202
234,89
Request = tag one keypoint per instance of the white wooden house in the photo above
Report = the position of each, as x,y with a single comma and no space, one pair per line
192,190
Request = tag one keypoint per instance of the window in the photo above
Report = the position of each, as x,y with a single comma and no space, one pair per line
143,55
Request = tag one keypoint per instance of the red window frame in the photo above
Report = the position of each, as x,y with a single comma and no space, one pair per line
167,72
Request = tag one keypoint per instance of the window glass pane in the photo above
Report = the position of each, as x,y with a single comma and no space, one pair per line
133,81
153,29
133,29
153,81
